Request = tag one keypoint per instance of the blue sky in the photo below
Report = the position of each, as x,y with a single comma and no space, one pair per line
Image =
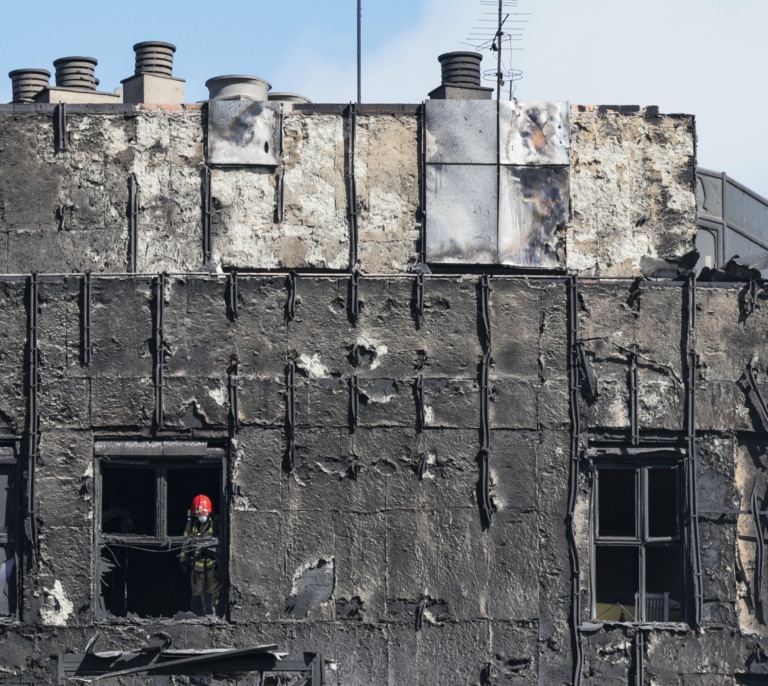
701,57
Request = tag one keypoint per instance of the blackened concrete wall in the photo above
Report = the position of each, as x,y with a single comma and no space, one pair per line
498,595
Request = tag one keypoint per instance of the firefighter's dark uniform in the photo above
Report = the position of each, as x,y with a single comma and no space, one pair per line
202,565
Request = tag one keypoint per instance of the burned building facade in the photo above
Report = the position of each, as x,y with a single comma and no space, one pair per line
464,414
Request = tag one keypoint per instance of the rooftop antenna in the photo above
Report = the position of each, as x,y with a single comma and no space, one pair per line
497,36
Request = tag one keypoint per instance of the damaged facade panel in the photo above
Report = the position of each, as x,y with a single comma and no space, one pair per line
629,202
388,190
514,159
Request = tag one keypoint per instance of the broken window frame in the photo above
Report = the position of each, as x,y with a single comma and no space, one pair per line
10,535
160,457
641,541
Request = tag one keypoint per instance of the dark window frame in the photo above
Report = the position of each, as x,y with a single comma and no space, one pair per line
11,536
642,541
161,457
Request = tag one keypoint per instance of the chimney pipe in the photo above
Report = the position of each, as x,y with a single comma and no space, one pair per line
27,83
154,57
460,68
76,72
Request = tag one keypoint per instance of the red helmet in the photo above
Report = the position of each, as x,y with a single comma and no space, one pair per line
201,504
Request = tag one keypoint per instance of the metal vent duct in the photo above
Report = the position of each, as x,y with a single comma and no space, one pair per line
27,83
289,97
76,72
154,57
460,68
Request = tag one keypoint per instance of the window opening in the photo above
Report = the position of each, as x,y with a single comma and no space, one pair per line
8,536
638,548
144,509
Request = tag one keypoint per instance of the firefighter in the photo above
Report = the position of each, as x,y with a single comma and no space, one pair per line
199,560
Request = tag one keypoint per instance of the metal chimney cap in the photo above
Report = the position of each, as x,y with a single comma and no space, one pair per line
472,55
154,44
64,60
29,72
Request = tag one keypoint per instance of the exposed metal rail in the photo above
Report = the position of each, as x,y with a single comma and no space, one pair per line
290,416
207,216
694,552
159,352
573,476
232,296
351,115
33,416
484,484
86,319
232,388
133,224
60,127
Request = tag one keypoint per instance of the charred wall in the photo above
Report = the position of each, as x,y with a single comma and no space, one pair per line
380,515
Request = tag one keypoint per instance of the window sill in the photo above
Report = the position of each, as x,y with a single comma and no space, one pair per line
597,625
187,618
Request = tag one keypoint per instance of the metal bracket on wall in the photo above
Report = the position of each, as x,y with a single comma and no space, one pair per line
639,657
280,199
423,465
419,297
33,416
234,420
207,213
354,403
422,185
133,223
290,416
290,305
232,296
351,116
353,299
589,377
418,391
158,286
60,127
419,619
573,476
86,319
633,399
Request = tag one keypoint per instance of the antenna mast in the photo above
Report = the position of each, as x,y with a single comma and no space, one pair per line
359,35
495,35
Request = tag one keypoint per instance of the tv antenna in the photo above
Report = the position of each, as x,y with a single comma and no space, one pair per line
498,35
